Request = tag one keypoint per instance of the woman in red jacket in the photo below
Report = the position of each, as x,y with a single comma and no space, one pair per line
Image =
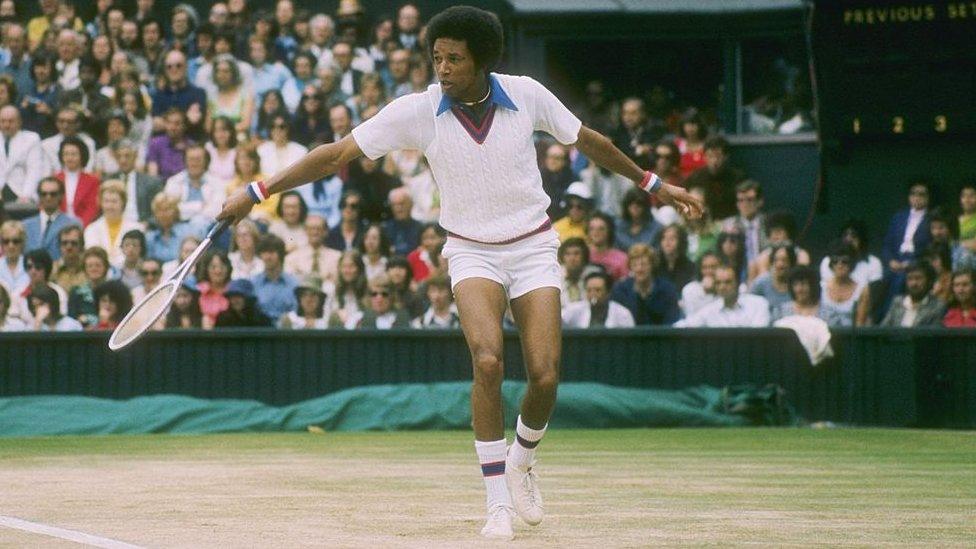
80,187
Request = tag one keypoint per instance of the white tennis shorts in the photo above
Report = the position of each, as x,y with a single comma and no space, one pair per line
519,267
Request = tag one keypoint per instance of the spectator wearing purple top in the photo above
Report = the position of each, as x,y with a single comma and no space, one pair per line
164,158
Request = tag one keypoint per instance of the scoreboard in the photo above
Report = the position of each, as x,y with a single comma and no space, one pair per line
888,69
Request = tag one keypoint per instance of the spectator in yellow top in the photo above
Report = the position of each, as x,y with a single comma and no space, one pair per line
578,205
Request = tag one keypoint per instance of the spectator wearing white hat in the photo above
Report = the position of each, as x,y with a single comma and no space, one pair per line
578,203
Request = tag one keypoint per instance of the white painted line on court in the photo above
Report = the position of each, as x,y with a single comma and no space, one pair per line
70,535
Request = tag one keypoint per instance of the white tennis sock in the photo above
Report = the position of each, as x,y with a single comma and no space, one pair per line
523,449
491,456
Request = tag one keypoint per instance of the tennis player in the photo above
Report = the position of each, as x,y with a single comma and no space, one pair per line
475,128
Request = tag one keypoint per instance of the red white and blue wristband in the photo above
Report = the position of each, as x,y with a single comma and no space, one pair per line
257,191
651,182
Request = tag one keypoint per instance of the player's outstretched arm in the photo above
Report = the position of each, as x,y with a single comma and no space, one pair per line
600,149
319,162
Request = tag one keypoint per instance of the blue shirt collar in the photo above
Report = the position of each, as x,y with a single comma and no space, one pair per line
498,97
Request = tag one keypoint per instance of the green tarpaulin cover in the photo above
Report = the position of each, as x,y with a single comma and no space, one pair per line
377,407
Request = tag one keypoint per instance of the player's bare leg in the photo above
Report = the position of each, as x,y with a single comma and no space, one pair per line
537,316
481,305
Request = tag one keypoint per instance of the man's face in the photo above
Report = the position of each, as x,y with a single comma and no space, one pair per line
205,43
967,200
218,14
400,206
379,299
9,122
196,162
87,76
400,65
918,197
67,46
13,243
114,21
748,203
175,126
408,19
596,291
917,285
126,159
455,67
49,194
726,285
130,33
715,160
259,53
15,41
316,230
555,159
663,161
49,7
151,35
70,243
631,114
175,67
181,23
340,121
271,261
284,12
962,288
342,53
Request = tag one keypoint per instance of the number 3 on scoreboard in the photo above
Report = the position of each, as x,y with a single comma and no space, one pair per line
941,123
857,126
898,124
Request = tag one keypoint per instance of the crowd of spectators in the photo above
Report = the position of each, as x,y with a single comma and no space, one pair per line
125,128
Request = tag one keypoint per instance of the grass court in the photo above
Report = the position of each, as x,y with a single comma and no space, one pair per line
608,488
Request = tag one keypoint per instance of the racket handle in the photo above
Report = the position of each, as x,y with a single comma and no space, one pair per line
220,227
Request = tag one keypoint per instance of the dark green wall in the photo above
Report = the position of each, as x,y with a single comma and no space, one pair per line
880,377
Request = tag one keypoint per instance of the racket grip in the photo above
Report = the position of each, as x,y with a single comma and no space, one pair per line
217,229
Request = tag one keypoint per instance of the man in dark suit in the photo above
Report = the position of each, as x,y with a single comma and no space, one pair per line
408,27
907,237
348,77
140,185
636,135
42,229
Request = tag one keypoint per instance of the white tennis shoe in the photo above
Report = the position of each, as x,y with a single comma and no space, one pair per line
523,485
499,524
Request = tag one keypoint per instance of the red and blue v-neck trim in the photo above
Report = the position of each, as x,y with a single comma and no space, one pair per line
478,132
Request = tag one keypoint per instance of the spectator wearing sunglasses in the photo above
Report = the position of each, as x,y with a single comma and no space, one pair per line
43,229
151,273
69,271
578,204
349,232
38,264
380,314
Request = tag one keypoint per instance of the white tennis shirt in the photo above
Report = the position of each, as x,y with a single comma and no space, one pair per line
490,191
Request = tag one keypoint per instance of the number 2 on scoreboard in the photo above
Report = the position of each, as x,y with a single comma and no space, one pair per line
941,123
898,124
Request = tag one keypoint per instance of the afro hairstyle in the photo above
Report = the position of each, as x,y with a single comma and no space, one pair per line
480,29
